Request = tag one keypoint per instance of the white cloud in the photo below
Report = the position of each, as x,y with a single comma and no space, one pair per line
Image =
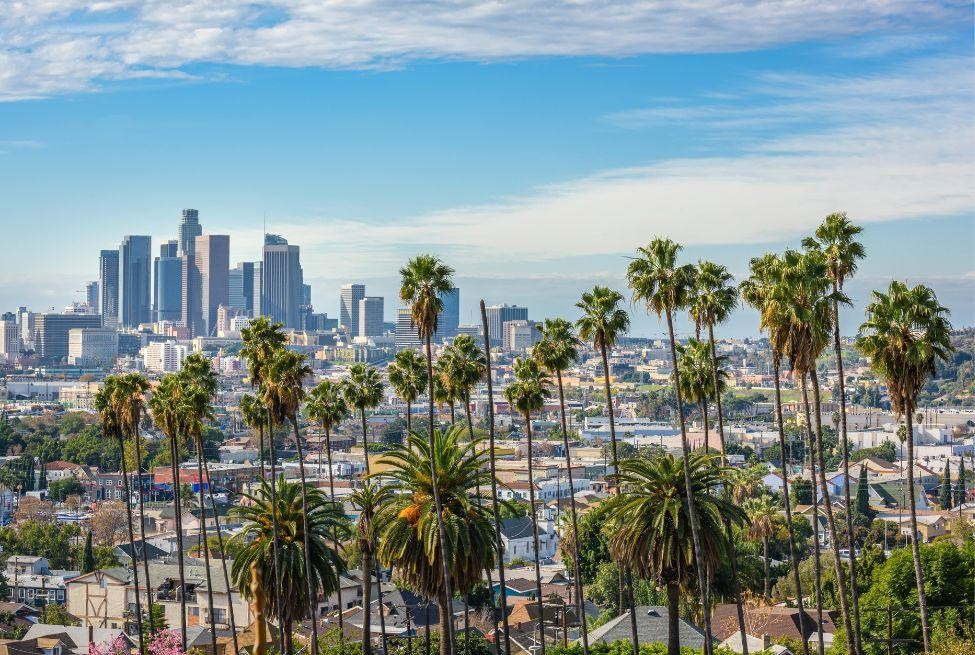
56,46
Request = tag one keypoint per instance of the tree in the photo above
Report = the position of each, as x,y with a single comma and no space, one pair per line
61,489
697,379
34,509
369,500
945,495
862,505
88,559
904,336
255,416
651,525
55,614
961,484
108,522
424,281
761,513
257,551
408,376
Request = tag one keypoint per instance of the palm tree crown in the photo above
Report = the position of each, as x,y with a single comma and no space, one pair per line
558,347
714,297
363,388
408,375
836,239
424,280
528,392
657,280
603,321
326,404
696,377
262,339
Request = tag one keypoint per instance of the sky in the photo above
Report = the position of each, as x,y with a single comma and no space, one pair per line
533,145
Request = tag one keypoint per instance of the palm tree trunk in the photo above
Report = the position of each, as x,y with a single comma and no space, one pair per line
409,418
830,519
283,639
575,525
915,549
206,549
223,560
477,490
135,561
375,563
845,454
142,530
309,572
817,564
732,554
793,559
260,432
499,544
689,488
768,585
673,619
446,640
335,536
534,518
707,427
626,581
178,510
365,550
446,624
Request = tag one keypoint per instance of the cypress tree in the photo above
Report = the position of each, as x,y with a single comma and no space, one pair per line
944,496
88,559
961,484
862,503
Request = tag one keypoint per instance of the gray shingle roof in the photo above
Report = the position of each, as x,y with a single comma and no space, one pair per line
651,627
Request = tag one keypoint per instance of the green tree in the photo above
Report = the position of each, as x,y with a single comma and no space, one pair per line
61,489
54,614
368,500
762,513
945,495
88,558
961,483
408,376
862,505
697,379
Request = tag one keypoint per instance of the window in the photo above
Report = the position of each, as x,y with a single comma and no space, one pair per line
219,615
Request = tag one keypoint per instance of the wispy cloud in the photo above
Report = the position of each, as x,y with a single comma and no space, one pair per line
57,46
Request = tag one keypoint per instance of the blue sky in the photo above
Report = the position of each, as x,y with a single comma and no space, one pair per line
532,145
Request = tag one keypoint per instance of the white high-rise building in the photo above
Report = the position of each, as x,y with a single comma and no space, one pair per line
349,307
164,356
370,321
519,336
9,342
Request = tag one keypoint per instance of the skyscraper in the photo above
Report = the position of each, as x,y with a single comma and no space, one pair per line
210,272
349,307
498,315
92,296
167,285
134,280
281,282
108,283
258,289
370,317
241,286
449,319
189,229
53,331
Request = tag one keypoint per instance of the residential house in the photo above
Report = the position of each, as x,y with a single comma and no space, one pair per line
518,540
777,621
652,625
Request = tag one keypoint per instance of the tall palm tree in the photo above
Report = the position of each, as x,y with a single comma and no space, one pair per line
424,280
255,416
326,405
758,291
905,334
369,500
836,239
110,403
408,376
652,527
411,540
761,513
556,351
324,519
527,394
445,390
698,377
284,393
664,286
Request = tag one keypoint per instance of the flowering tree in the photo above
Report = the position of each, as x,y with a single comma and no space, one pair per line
166,642
116,647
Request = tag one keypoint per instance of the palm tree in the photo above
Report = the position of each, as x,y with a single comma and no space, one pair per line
527,394
411,540
836,239
905,334
317,515
698,377
761,513
445,390
369,500
556,351
326,404
652,526
408,376
111,404
255,416
664,287
424,280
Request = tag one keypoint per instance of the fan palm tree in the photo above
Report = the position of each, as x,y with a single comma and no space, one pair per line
411,539
697,379
369,500
556,351
905,334
664,286
110,403
836,239
315,514
761,513
424,280
255,416
758,291
408,376
527,394
445,389
326,405
651,525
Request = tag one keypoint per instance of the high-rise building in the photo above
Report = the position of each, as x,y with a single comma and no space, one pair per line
167,283
519,336
370,317
258,290
135,262
281,282
91,296
92,346
27,322
164,356
108,284
349,307
189,229
498,315
449,319
406,333
9,342
53,331
241,286
209,276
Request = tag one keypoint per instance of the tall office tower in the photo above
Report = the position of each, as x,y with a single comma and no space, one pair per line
256,302
349,307
241,286
209,282
406,334
91,296
167,283
498,315
135,266
305,292
189,229
449,319
370,317
53,331
9,342
281,282
27,322
108,283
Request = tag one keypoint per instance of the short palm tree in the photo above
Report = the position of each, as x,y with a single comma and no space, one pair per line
465,366
317,515
664,286
424,281
761,513
652,528
556,351
697,379
363,391
369,500
411,539
904,336
444,388
408,376
525,395
255,416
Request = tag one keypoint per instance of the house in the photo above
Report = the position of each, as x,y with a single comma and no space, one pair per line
651,627
755,645
45,639
17,615
776,621
32,581
517,536
524,617
61,470
930,524
404,613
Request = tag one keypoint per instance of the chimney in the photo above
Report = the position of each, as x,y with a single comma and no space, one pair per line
766,641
